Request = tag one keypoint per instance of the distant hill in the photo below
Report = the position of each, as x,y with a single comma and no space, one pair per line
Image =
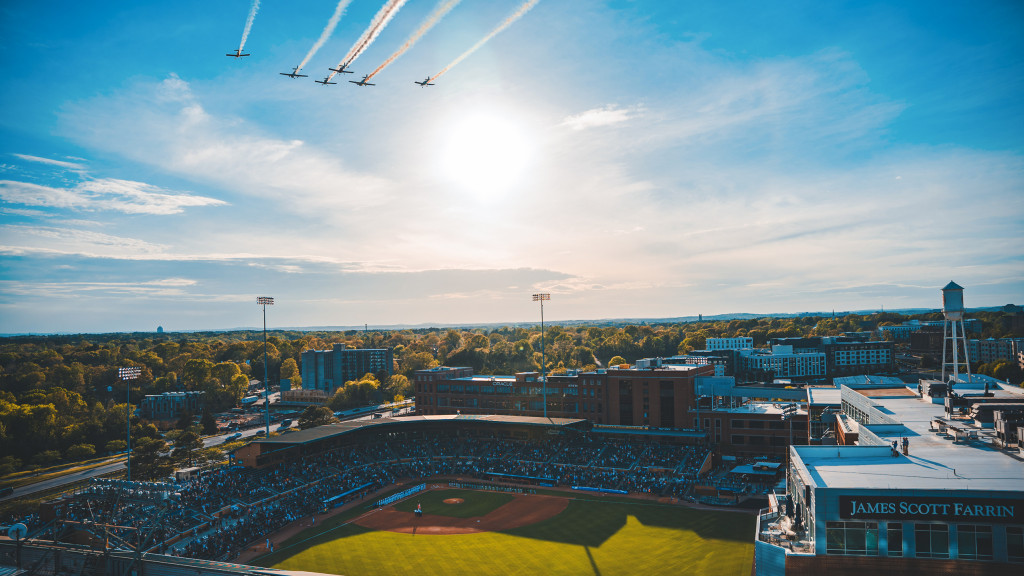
593,322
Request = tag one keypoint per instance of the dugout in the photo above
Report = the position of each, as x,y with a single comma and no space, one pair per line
411,429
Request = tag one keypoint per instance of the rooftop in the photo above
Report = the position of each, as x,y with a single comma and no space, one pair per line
328,430
935,461
824,396
761,408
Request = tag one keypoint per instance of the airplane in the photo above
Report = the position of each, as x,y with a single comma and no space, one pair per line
237,54
294,74
426,82
362,82
341,69
324,81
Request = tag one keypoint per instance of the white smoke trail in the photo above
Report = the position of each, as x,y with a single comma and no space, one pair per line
248,23
505,24
339,10
380,20
439,12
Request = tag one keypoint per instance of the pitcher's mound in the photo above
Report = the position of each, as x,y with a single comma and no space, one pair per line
453,500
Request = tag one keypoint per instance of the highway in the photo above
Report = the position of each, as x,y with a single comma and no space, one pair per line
118,462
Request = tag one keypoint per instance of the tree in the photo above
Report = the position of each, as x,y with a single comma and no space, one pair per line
46,457
149,461
184,421
80,451
116,446
398,385
616,360
208,422
290,371
186,446
316,416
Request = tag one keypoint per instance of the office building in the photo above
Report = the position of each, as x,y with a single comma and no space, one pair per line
329,370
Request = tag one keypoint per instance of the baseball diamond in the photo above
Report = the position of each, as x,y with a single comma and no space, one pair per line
522,534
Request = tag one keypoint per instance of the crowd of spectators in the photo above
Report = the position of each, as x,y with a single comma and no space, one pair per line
222,510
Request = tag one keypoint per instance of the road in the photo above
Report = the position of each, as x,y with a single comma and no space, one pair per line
28,489
117,463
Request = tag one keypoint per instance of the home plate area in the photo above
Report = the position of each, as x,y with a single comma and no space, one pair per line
520,510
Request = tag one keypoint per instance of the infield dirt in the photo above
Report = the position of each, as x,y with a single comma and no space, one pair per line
523,510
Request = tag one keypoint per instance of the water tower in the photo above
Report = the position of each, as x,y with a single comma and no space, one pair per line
954,335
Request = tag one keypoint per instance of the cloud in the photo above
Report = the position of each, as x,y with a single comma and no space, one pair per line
61,163
104,194
599,117
18,240
165,125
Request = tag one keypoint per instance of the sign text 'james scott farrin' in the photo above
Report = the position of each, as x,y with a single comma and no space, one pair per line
931,508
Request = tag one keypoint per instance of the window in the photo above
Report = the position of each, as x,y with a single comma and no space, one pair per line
974,542
895,537
737,439
1015,543
852,538
932,540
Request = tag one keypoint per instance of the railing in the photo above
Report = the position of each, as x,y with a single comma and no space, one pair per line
400,495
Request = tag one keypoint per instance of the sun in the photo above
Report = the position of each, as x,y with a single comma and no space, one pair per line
485,154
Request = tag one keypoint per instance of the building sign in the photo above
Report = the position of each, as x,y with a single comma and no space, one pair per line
986,510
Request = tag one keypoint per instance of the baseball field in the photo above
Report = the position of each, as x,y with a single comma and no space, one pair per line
494,533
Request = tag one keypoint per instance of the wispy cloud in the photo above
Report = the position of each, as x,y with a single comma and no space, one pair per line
166,125
23,240
598,117
52,162
103,194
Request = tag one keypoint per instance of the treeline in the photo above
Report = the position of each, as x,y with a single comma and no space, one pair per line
61,398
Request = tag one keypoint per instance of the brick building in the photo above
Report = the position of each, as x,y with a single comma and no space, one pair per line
659,397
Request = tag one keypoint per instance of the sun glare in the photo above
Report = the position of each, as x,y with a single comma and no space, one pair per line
485,154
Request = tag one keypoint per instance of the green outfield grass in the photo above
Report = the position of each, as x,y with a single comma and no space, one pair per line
590,537
476,503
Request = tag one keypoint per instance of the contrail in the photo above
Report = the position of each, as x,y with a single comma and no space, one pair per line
442,8
380,20
248,23
508,22
339,10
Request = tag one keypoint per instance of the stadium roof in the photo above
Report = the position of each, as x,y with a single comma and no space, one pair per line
329,430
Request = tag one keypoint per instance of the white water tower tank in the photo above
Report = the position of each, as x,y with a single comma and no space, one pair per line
953,301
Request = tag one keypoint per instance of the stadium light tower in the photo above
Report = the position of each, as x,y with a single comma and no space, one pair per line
128,374
265,301
543,373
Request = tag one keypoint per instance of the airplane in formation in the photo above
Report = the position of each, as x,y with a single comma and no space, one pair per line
293,74
324,81
237,54
341,69
363,82
425,82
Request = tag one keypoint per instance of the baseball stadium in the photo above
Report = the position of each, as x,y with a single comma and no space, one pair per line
455,494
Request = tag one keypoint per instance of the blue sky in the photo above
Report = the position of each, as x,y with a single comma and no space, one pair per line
633,158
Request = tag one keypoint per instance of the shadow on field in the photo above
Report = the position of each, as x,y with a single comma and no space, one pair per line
591,523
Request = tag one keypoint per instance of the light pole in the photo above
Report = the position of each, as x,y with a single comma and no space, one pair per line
543,373
265,301
128,374
788,412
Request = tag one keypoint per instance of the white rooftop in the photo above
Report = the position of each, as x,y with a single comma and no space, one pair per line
827,396
934,462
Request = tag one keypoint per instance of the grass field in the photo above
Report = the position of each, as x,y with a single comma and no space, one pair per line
475,503
591,536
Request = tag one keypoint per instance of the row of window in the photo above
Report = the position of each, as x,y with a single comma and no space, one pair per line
973,541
